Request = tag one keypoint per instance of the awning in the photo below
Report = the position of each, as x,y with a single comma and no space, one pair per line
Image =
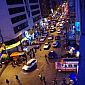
16,54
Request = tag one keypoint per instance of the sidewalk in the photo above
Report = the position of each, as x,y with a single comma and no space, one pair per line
4,66
2,69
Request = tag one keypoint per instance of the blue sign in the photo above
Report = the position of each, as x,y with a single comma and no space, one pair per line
72,76
0,55
77,25
36,33
28,36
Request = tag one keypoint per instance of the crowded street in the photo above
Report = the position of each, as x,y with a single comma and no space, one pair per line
46,55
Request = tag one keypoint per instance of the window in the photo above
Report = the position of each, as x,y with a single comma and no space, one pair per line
20,27
70,66
11,2
18,18
33,1
29,64
35,12
27,8
16,10
33,61
34,7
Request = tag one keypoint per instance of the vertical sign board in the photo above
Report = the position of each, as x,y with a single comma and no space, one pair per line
77,26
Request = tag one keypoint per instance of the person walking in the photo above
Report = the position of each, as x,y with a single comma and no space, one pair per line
40,76
17,78
33,55
7,81
40,49
45,56
44,80
64,81
12,64
54,81
46,59
30,55
0,65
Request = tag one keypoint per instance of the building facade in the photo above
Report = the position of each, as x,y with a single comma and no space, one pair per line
17,16
35,12
81,72
45,8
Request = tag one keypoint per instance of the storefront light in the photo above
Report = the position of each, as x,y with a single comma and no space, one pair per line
16,44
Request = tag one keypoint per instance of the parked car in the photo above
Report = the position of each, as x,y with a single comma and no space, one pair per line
52,29
37,45
42,39
59,31
52,55
45,33
46,46
55,44
30,64
50,37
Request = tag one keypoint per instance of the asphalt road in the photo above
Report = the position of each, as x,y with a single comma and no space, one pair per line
47,69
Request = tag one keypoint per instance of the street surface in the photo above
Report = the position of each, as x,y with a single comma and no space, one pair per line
47,69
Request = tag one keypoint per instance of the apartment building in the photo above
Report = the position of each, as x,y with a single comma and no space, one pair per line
17,16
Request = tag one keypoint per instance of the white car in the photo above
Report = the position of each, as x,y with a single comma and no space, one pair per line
59,31
29,65
42,39
46,46
52,29
50,37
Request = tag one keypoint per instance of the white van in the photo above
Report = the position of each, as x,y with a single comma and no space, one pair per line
31,63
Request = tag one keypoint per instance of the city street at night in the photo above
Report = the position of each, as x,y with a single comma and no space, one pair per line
42,42
46,68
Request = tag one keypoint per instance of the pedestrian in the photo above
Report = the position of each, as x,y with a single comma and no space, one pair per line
44,80
40,49
64,81
7,81
23,63
34,50
33,55
55,82
17,77
30,55
45,56
12,64
26,59
40,76
46,59
0,65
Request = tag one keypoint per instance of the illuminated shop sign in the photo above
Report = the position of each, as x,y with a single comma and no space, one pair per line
77,25
27,35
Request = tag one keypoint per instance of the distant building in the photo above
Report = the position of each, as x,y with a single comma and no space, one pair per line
81,68
45,8
72,12
17,16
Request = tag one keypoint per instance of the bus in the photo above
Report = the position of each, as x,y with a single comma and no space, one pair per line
67,64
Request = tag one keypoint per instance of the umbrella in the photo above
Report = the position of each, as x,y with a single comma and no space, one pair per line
16,54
